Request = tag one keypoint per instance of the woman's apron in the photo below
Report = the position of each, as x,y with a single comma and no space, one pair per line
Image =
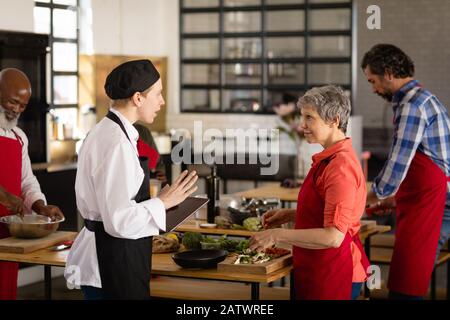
124,264
321,274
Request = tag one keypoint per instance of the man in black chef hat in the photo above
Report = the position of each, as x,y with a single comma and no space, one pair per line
112,190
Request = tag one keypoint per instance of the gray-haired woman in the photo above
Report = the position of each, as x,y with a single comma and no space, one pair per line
329,261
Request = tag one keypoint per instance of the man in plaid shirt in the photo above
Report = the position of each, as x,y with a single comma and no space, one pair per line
421,130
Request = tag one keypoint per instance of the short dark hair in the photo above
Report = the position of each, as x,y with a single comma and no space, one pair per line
384,58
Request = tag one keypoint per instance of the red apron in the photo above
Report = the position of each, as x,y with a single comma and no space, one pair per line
144,150
420,206
320,274
10,180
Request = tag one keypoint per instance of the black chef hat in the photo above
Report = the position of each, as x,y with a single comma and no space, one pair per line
130,77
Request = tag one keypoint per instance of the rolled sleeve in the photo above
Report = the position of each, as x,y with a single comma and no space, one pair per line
337,216
340,195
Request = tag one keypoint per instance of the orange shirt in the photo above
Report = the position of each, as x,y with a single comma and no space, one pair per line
343,187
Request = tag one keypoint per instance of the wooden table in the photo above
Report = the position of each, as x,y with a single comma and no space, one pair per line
275,190
45,257
193,225
162,264
272,190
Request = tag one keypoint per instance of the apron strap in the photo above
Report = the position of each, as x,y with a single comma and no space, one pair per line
18,137
93,225
112,116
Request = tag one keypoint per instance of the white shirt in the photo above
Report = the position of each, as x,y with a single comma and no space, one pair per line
31,191
108,178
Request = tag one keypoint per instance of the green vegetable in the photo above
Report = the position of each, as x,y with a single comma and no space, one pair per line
222,222
191,240
252,224
228,244
242,245
209,240
237,227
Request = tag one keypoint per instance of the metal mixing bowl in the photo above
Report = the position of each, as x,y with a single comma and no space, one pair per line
30,226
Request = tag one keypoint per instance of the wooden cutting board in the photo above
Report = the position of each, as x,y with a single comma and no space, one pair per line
16,245
257,268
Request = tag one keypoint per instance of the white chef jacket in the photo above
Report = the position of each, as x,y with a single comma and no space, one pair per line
31,191
108,178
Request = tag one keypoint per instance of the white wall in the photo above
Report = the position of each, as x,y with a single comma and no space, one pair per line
16,15
129,27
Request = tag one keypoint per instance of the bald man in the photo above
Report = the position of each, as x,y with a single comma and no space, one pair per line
19,189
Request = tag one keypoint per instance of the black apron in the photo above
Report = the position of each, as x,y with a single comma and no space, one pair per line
124,264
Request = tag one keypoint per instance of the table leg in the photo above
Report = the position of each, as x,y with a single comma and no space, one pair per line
255,291
448,280
291,288
367,249
48,282
448,273
433,285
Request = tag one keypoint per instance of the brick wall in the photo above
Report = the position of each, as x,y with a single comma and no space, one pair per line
419,27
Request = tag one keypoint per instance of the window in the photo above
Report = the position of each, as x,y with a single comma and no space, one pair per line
245,56
59,19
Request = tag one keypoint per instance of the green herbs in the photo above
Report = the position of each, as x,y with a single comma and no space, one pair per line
191,240
242,246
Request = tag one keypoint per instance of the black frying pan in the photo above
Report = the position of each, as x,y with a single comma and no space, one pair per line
199,258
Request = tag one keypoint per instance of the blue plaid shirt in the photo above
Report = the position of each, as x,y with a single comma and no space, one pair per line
421,122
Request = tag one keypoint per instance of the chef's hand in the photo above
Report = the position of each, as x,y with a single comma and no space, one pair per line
383,207
182,188
11,202
53,212
263,239
275,218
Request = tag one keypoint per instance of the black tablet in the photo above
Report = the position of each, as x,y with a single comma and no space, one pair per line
176,215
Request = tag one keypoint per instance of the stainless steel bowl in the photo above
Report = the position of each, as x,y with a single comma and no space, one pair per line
30,226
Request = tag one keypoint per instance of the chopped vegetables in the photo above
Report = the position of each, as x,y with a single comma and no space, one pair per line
252,257
248,256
